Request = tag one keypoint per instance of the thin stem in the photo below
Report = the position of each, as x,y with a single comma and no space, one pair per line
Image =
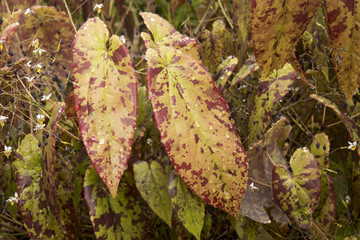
68,11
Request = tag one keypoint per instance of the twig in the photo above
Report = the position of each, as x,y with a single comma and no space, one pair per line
68,11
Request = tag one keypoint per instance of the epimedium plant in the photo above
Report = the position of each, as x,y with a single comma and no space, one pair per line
161,153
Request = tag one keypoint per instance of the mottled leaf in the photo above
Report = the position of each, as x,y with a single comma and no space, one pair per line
320,148
214,45
224,71
343,25
350,124
326,218
241,16
47,163
15,5
194,124
249,66
276,27
271,90
39,221
113,218
105,99
298,195
152,184
188,207
166,35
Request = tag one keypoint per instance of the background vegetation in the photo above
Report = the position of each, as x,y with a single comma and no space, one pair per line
289,76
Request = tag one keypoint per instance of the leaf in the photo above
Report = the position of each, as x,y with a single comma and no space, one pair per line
194,124
224,71
241,16
214,45
320,148
271,90
105,99
113,218
258,197
276,27
152,184
188,207
40,223
351,126
298,195
14,5
47,163
250,65
344,40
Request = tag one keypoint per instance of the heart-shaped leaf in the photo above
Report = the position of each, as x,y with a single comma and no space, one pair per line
344,36
194,124
152,184
105,99
188,207
113,218
299,194
276,27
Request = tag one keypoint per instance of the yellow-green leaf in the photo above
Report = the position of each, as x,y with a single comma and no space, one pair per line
152,184
105,99
276,27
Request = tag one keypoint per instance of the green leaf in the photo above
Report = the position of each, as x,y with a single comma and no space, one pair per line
47,163
276,27
271,90
188,207
105,99
113,218
249,66
152,184
32,201
194,124
352,127
344,36
320,148
298,195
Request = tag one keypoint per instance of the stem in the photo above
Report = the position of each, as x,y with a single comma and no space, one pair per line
68,11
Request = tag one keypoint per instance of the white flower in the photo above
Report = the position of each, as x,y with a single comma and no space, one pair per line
38,68
28,12
13,199
46,97
352,145
98,7
122,38
253,187
347,199
35,43
28,64
39,127
40,118
2,41
39,51
8,150
29,79
3,120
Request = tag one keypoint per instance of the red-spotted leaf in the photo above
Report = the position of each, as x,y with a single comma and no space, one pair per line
276,27
113,218
152,184
271,90
350,124
39,221
298,194
194,124
166,35
105,99
188,207
344,36
47,163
